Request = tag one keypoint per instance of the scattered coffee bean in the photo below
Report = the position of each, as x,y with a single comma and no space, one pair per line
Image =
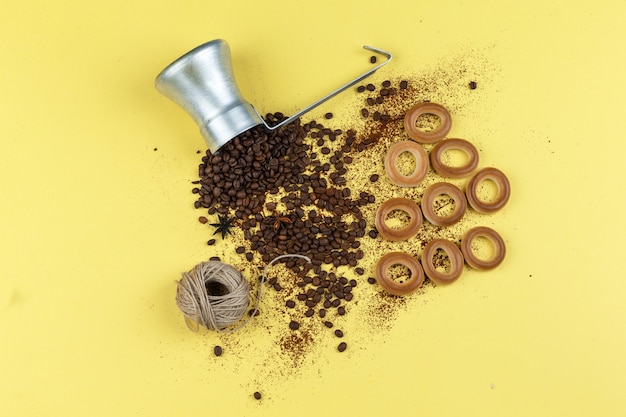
309,313
371,280
360,88
322,313
328,324
211,242
386,83
341,310
217,350
370,87
372,60
373,177
257,395
338,333
404,85
473,85
373,233
342,346
294,325
254,312
203,220
290,303
365,112
240,249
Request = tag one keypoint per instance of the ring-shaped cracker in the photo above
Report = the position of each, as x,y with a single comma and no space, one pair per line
437,189
403,204
502,184
449,171
421,163
395,287
454,254
492,236
410,120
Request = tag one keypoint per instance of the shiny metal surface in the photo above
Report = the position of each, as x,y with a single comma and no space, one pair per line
203,84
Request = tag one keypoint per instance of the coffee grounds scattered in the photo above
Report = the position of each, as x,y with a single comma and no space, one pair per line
313,189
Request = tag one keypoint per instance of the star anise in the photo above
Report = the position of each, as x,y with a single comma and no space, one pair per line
279,221
223,225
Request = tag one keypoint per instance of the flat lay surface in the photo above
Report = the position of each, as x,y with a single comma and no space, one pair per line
98,219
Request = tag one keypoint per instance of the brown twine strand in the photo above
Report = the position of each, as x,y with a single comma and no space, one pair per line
216,312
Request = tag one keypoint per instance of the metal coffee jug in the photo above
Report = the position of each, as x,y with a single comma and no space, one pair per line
203,84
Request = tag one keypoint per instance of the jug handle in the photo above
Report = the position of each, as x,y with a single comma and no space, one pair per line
332,94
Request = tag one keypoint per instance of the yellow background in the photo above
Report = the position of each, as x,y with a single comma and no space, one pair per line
96,226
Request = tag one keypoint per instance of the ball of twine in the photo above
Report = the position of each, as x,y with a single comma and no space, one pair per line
213,294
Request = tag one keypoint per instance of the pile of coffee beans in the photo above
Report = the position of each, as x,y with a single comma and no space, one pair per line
288,191
287,188
256,162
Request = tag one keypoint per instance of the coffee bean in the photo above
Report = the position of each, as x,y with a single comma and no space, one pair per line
328,115
341,310
473,85
257,395
211,242
342,346
359,271
370,87
203,220
404,85
338,333
370,101
386,83
294,325
217,350
290,303
254,312
310,312
328,324
365,112
322,313
373,177
372,60
371,280
240,249
360,88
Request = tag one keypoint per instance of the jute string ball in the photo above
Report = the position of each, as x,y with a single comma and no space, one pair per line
216,295
213,294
